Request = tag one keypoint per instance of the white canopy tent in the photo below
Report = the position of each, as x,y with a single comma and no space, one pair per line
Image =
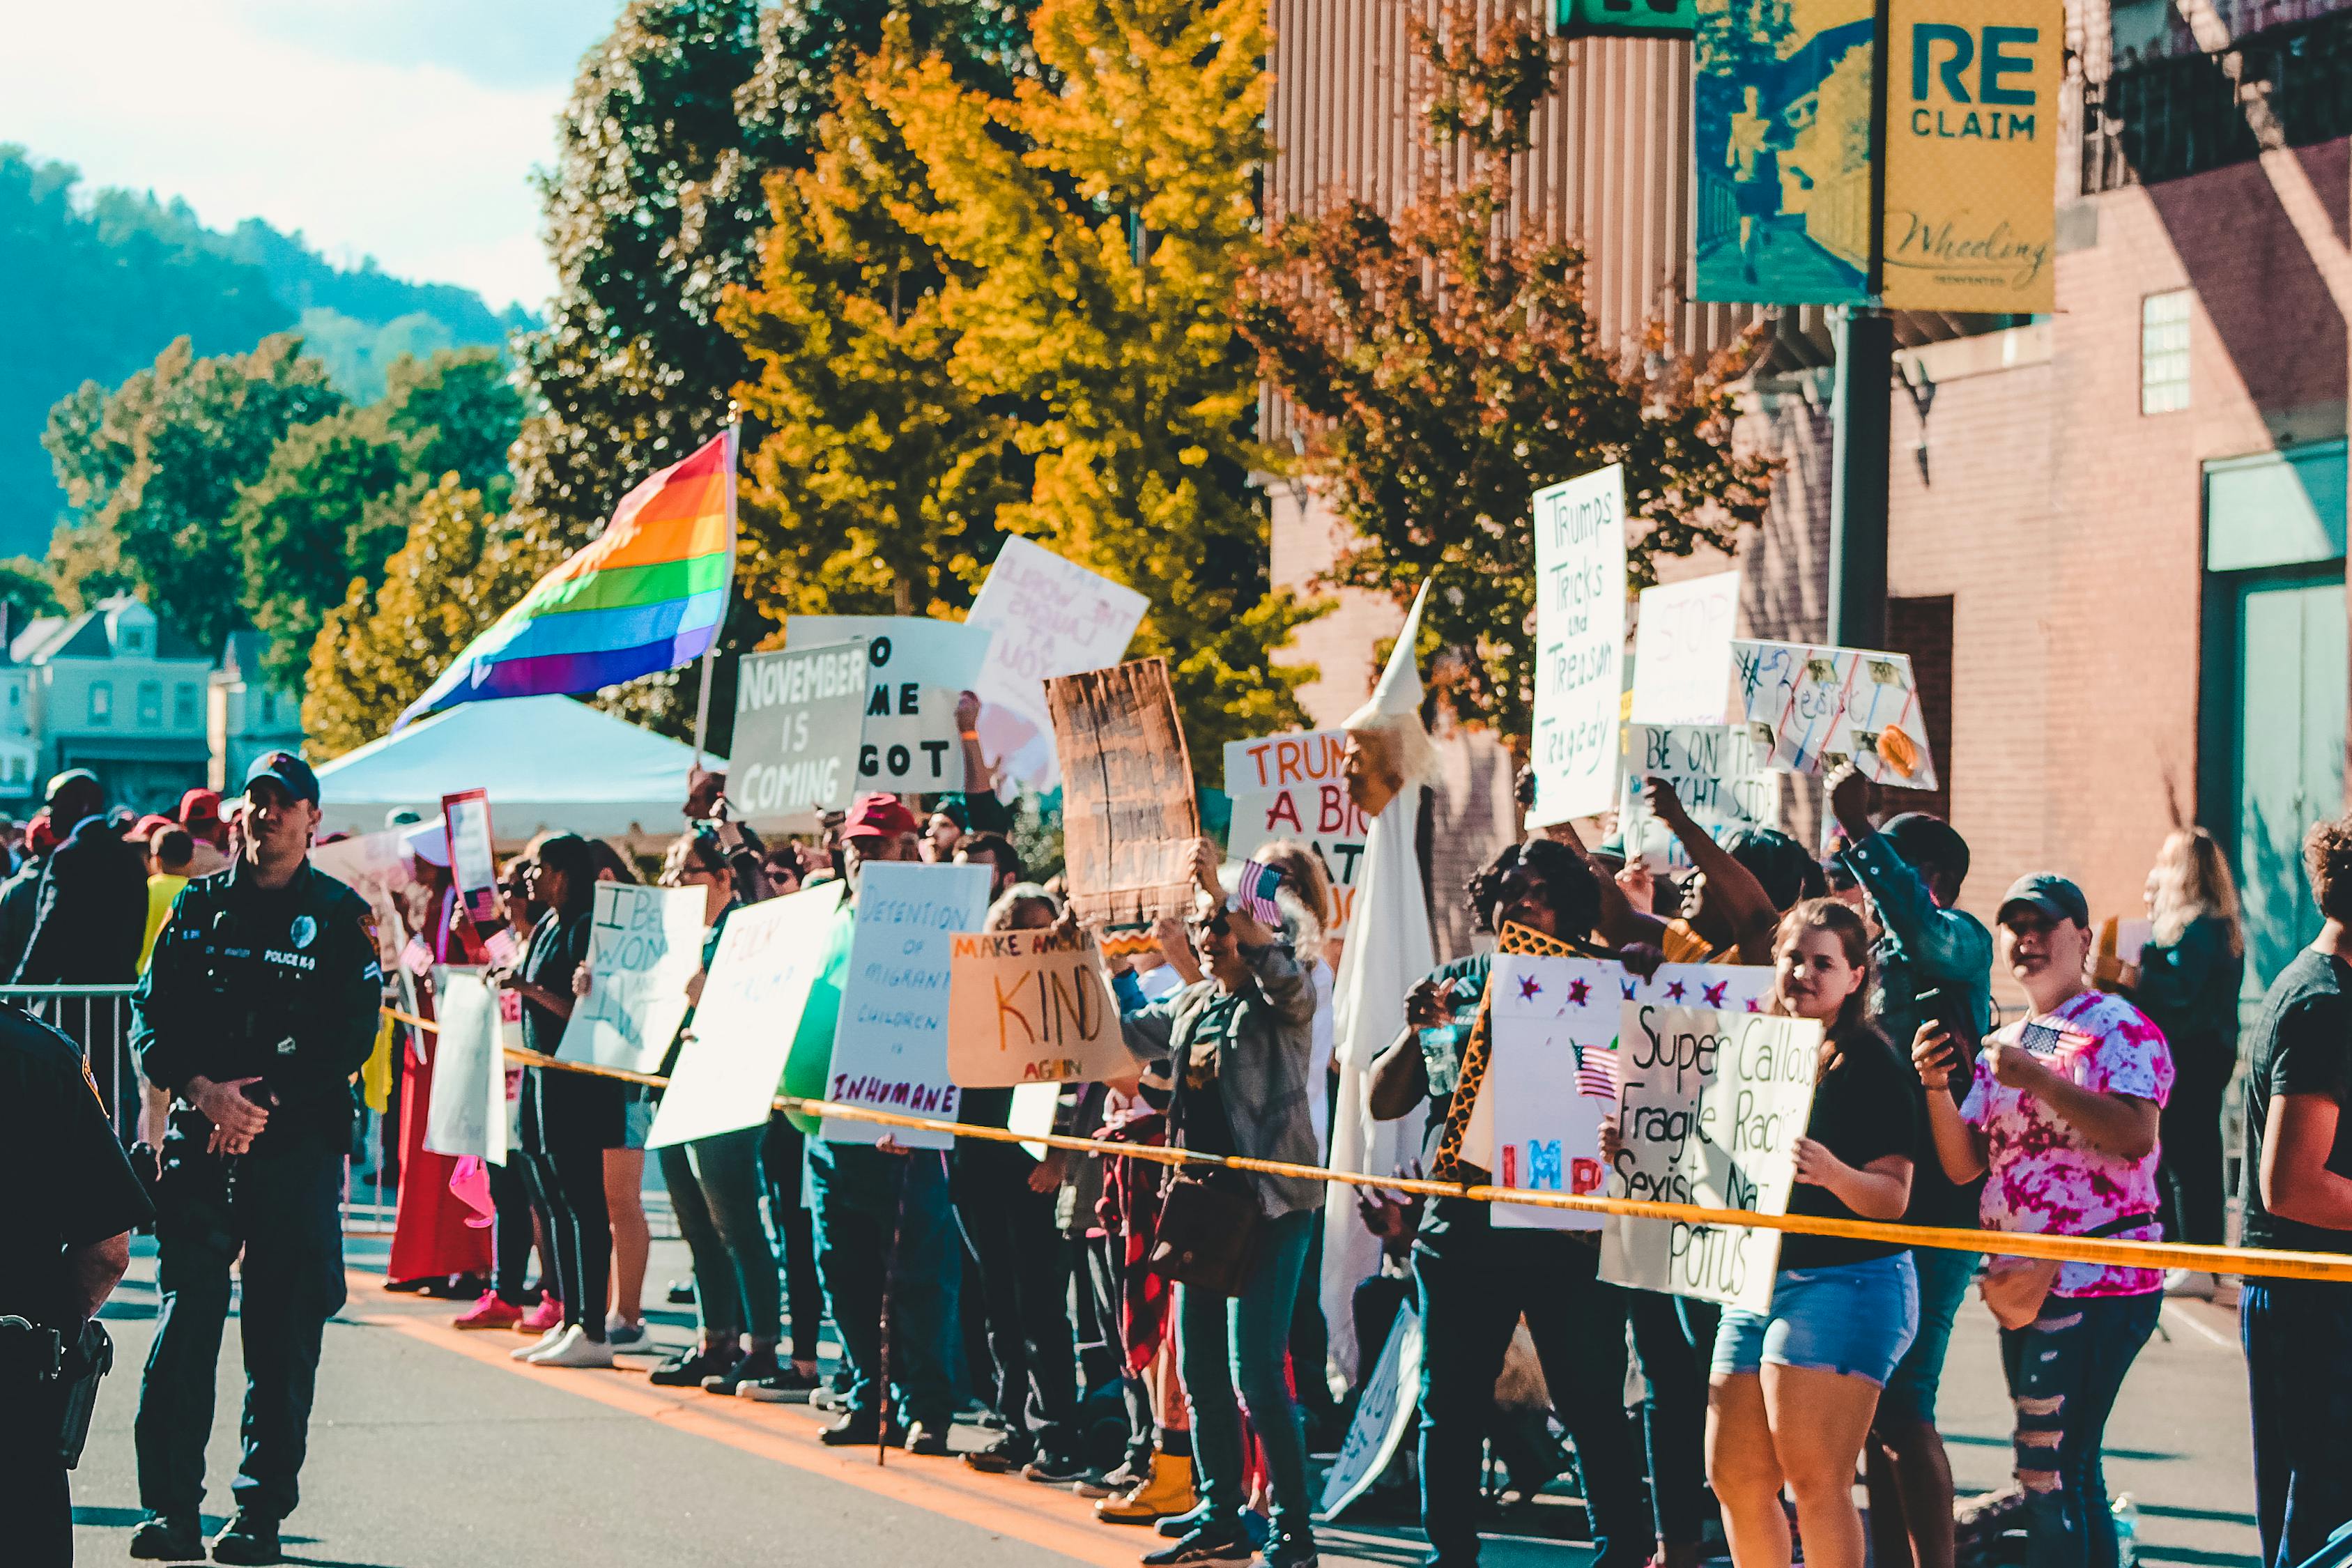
546,763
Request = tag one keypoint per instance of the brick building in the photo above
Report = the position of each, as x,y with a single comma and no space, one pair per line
2117,532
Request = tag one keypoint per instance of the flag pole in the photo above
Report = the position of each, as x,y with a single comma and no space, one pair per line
710,654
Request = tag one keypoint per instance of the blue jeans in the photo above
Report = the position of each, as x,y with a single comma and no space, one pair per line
1674,1336
2064,1369
1230,1351
862,1198
2299,1339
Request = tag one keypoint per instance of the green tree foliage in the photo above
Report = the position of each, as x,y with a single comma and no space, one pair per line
1446,368
25,589
458,412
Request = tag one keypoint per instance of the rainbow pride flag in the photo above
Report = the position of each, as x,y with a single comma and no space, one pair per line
647,595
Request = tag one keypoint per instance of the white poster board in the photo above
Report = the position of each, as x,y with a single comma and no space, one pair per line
1292,786
1714,1103
769,955
643,944
919,668
890,1049
1682,651
799,733
1579,529
468,1114
1818,708
1388,1409
1719,771
1049,618
1028,1008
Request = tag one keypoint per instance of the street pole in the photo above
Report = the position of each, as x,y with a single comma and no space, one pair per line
1858,477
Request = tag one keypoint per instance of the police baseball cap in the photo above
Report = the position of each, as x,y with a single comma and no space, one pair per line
287,772
2053,896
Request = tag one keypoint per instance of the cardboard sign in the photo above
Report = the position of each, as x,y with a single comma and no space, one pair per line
1580,644
468,1114
799,719
1030,1007
917,669
1714,1102
1049,618
890,1049
1682,651
769,955
643,945
473,863
1128,817
1556,1065
1819,708
1388,1408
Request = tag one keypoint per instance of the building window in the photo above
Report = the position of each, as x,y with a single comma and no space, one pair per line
268,709
2163,353
101,702
184,705
150,704
134,639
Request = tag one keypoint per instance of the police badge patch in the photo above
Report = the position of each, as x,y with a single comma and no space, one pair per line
303,929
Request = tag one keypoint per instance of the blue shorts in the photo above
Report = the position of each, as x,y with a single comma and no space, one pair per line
1944,1277
636,1120
1854,1319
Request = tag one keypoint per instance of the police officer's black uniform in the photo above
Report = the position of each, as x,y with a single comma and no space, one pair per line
64,1183
281,985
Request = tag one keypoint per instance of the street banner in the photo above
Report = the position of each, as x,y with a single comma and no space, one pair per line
468,1113
917,669
1293,787
1972,134
1128,816
1387,1407
1718,772
1030,1007
799,719
1781,136
1682,651
1815,708
643,944
473,863
769,953
1714,1103
1049,618
1579,529
890,1048
1555,1067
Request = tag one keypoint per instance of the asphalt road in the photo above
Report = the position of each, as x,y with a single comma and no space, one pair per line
430,1449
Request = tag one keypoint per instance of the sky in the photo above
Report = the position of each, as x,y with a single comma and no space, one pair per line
406,129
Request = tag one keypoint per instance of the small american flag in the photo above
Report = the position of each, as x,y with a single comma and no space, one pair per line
1597,1072
1255,890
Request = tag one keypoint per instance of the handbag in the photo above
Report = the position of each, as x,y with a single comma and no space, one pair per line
1208,1234
2015,1288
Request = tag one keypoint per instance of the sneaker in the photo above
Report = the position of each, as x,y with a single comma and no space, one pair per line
619,1335
1124,1478
548,1314
926,1439
1182,1521
574,1349
492,1311
1210,1543
544,1342
1164,1495
687,1369
752,1368
1001,1458
160,1538
250,1538
827,1398
1055,1469
787,1385
856,1430
1292,1548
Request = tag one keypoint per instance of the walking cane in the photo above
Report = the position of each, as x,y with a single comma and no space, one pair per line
889,1272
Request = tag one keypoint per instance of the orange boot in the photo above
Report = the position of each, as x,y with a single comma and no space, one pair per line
1168,1491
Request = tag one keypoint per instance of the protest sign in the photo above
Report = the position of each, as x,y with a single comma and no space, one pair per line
468,1113
769,955
473,864
800,719
1579,529
1819,708
643,945
917,669
1682,651
378,867
890,1049
1555,1066
1128,817
1270,762
1030,1007
1386,1408
1292,786
1048,616
1713,1105
1718,774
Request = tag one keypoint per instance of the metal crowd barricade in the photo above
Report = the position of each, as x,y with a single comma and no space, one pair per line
97,1018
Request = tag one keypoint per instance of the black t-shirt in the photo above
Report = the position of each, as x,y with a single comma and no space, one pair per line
2302,1044
1866,1108
67,1181
560,1109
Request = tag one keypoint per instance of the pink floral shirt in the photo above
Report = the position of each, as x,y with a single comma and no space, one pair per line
2046,1178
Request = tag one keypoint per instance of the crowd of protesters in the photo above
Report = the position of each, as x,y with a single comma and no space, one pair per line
1039,1283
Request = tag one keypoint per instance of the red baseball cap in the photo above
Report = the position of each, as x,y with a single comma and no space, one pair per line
147,824
40,834
878,816
200,807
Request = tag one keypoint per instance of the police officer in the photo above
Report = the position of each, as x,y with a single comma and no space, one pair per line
259,1005
64,1240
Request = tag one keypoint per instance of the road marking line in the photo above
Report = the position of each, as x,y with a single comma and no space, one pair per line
2180,1314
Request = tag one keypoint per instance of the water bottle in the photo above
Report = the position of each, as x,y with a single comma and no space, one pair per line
2126,1518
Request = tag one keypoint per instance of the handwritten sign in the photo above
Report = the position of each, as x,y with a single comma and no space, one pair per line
1579,529
917,669
1555,1067
1271,762
890,1049
1718,772
800,719
1816,709
643,945
473,864
769,955
1030,1007
1714,1103
1682,651
1049,618
1386,1408
1293,787
1128,817
468,1113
